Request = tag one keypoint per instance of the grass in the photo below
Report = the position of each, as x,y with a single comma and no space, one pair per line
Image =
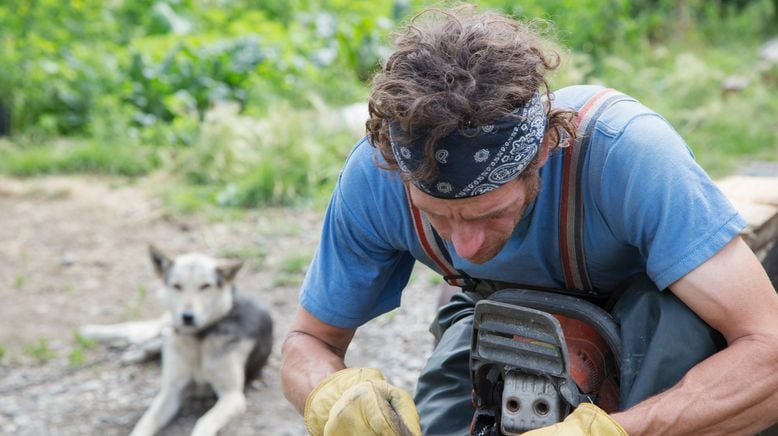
76,156
253,256
291,269
290,158
187,198
295,263
434,280
83,342
286,280
77,355
255,253
243,162
40,350
685,85
278,222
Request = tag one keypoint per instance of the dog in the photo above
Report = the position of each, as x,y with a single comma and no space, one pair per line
210,335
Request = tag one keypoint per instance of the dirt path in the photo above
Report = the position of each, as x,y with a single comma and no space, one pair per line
74,251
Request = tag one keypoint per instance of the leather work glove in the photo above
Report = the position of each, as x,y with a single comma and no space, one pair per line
359,401
586,420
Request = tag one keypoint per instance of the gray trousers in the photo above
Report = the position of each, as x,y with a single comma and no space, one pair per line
661,339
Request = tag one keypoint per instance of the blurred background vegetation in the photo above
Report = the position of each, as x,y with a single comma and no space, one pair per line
242,103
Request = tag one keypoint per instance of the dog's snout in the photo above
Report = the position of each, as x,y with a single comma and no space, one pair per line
187,318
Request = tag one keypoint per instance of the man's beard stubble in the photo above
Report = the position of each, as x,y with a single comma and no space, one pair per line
533,183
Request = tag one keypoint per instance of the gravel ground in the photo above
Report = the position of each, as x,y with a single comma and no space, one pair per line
74,252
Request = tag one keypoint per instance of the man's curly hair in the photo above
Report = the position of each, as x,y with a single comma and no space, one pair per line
457,69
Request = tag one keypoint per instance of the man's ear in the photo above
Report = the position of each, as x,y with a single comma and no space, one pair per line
227,269
161,262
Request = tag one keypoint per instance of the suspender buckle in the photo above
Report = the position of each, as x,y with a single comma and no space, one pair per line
462,281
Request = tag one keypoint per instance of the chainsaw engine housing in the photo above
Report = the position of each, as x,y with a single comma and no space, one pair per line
523,374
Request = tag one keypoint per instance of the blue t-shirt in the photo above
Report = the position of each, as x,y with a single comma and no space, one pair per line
648,207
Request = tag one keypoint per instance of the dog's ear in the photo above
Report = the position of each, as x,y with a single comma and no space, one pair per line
161,262
228,268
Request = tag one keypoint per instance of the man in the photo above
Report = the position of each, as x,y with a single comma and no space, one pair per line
465,137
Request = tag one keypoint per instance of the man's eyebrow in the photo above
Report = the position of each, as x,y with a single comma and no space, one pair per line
489,214
485,215
501,209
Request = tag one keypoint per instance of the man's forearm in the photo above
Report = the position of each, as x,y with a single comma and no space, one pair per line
305,361
733,392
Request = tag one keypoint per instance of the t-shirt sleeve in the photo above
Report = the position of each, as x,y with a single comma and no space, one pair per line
358,272
656,198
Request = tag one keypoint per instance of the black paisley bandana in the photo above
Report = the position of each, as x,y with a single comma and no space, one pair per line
480,159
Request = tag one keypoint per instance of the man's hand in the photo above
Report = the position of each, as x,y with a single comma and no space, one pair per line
358,401
586,420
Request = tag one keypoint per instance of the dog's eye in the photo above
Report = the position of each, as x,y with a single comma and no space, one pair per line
205,286
177,286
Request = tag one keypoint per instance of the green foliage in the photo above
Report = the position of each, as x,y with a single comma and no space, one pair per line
295,263
686,87
77,355
590,26
599,26
40,350
253,255
716,22
190,78
291,270
83,342
179,85
160,60
188,198
79,156
18,282
288,280
242,162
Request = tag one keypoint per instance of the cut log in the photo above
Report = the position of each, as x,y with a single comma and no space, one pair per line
756,198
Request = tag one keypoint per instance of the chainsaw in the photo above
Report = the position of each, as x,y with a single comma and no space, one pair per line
535,356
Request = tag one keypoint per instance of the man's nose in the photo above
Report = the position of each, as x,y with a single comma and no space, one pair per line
467,238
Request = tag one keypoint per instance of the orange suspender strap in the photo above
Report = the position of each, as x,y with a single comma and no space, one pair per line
571,210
